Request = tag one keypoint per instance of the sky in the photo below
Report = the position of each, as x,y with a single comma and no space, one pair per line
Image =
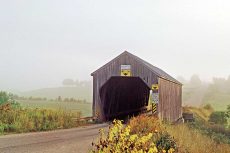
43,42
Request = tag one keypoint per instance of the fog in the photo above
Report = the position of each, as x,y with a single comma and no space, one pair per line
43,42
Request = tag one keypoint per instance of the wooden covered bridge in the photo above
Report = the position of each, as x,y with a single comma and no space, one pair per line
124,86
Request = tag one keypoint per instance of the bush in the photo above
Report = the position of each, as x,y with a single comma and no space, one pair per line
19,120
144,124
215,132
2,127
218,118
208,107
142,134
148,124
119,140
228,111
4,97
164,141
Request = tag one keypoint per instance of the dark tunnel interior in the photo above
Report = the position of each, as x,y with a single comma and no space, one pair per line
123,97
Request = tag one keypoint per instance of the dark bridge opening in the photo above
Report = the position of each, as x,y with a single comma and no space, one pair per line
123,96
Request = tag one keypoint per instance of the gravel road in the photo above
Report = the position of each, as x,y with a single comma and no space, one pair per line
76,140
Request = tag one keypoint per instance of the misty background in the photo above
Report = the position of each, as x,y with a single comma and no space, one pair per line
44,42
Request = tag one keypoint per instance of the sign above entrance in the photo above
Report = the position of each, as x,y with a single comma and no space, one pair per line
155,87
125,67
125,70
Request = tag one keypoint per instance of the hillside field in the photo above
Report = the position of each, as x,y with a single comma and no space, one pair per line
84,108
77,92
218,101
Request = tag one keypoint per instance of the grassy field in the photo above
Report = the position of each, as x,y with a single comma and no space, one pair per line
219,102
84,108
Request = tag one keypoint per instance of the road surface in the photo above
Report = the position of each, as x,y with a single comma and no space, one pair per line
77,140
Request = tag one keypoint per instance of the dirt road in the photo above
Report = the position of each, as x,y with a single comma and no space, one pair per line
77,140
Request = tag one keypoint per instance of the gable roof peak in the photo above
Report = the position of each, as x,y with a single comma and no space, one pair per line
154,69
125,52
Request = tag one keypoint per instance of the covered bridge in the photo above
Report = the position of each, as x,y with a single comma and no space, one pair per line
123,86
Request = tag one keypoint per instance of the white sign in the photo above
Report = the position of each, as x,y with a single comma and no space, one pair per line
125,67
155,97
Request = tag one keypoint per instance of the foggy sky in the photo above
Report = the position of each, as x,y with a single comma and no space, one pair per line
43,42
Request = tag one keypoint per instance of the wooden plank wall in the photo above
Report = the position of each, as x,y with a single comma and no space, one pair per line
170,105
113,69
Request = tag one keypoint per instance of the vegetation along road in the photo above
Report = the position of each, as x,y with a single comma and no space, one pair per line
69,140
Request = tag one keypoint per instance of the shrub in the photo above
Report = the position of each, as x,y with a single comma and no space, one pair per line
218,118
144,124
208,107
164,141
142,134
214,131
119,139
19,120
2,127
228,111
219,129
4,97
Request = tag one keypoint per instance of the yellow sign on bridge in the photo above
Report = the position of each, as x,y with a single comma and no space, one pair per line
155,87
125,70
154,108
125,73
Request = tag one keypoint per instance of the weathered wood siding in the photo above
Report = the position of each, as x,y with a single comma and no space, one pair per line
113,69
170,100
170,97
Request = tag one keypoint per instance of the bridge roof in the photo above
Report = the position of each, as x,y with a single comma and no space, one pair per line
159,72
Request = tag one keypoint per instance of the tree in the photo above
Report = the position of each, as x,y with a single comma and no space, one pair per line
59,98
228,115
68,82
195,80
181,79
66,100
77,82
85,83
228,111
4,97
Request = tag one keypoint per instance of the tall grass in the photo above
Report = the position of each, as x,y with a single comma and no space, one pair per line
191,140
17,120
218,132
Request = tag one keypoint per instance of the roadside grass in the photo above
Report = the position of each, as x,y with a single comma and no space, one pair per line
18,120
191,140
218,132
84,108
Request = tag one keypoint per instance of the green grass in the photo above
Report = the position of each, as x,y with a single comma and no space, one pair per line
78,92
219,102
84,108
